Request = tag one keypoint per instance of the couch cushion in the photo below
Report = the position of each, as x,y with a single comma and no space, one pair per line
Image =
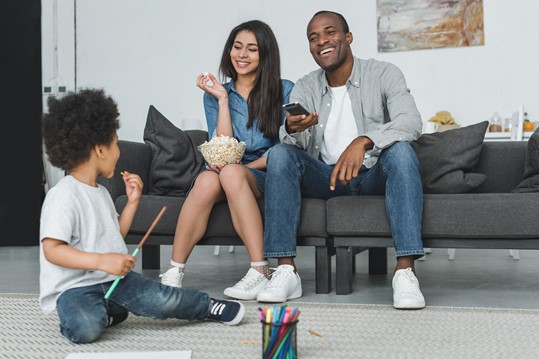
447,158
471,215
531,172
175,158
313,217
503,163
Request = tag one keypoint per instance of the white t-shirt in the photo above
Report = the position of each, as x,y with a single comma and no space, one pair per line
341,128
85,218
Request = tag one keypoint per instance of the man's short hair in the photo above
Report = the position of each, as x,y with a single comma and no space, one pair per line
344,24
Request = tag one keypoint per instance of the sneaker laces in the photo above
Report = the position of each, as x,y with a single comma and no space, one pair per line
410,284
278,277
171,278
248,281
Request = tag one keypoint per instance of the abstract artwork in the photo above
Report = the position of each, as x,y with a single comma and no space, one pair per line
429,24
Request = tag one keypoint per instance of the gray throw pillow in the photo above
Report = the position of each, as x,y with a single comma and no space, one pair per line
175,158
447,158
531,171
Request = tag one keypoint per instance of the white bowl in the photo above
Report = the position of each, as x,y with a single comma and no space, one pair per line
222,151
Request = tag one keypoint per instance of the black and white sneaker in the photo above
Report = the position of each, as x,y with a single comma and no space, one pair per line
226,311
115,319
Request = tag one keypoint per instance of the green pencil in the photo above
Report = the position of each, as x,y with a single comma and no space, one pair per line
135,252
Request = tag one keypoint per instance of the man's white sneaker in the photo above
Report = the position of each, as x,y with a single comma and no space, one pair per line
284,285
172,277
406,292
249,286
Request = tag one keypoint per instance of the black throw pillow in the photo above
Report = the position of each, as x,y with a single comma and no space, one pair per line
531,171
175,158
447,158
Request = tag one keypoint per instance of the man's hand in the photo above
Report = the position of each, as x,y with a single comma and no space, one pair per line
350,161
300,123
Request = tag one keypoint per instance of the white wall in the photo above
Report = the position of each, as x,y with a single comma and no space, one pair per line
145,52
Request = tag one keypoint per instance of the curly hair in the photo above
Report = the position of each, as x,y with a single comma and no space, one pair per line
75,123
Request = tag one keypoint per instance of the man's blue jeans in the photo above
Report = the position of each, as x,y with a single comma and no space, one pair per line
84,313
293,173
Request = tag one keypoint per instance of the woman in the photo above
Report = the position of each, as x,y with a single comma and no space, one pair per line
249,107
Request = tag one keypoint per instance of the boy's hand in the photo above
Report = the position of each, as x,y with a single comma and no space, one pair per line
133,186
116,263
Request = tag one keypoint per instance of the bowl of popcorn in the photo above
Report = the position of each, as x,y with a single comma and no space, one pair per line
222,150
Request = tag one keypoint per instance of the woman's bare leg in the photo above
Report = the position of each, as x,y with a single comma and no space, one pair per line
194,215
242,192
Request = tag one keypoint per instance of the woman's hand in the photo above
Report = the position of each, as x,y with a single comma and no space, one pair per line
215,168
209,83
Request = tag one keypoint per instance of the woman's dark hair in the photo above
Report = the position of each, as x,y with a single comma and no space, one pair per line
266,97
77,122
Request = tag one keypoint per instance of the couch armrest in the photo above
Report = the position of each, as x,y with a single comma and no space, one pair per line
135,157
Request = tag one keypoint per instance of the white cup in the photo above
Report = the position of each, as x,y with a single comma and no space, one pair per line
430,127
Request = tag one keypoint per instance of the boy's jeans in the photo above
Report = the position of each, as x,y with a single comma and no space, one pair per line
293,173
84,313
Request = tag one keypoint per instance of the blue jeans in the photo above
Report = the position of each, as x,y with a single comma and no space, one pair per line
293,173
84,313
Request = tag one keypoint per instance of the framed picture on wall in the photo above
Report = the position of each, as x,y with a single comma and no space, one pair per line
429,24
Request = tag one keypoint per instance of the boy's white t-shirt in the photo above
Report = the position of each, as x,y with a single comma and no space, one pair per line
341,128
86,219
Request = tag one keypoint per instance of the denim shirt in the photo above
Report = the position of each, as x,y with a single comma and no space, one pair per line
256,145
384,110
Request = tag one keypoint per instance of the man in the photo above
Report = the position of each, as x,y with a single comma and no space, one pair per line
355,141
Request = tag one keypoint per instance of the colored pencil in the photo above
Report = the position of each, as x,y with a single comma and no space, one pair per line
135,252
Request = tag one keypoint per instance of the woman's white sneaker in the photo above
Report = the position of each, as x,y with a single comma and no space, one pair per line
406,292
284,284
249,286
172,277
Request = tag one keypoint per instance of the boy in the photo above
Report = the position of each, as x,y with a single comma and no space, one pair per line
82,250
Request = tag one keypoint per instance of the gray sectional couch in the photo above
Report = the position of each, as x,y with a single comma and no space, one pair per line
136,157
489,216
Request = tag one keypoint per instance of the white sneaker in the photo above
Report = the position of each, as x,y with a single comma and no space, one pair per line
406,292
284,285
249,286
172,277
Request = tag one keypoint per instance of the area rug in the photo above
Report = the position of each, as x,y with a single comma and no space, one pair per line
324,331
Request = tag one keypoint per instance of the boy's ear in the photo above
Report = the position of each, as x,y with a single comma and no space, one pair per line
99,151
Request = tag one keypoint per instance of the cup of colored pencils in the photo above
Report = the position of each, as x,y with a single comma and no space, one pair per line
279,334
